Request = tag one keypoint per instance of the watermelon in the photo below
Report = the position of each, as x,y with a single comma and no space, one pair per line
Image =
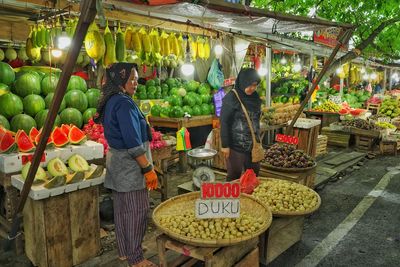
192,86
150,83
164,112
11,105
177,112
71,116
28,83
76,136
65,128
76,99
155,110
7,75
176,100
205,109
23,141
7,143
33,104
77,83
59,138
22,122
33,134
93,97
141,88
173,91
188,110
49,84
164,87
88,114
212,109
198,99
171,82
151,90
189,100
49,99
196,111
204,89
41,116
4,89
4,122
205,98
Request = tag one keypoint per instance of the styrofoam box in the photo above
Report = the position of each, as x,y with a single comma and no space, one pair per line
11,163
40,192
305,123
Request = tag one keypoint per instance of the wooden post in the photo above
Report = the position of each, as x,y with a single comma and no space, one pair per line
268,65
88,14
343,38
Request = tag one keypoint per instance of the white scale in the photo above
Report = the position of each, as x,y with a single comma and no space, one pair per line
201,160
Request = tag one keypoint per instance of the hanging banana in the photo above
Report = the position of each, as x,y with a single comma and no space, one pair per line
200,47
173,42
128,37
146,42
165,46
136,42
155,40
193,48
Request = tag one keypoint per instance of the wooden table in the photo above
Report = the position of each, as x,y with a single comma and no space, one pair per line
160,160
178,123
326,117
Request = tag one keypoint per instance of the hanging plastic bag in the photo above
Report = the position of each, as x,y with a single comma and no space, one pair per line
248,181
215,75
180,146
218,96
186,136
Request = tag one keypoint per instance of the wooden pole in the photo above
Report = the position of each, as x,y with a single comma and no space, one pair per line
88,14
343,38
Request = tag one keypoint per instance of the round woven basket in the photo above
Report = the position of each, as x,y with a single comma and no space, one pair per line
281,169
294,213
248,204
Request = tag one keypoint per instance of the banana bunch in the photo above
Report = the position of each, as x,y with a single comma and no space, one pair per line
120,48
32,51
174,44
94,43
165,44
109,56
200,48
193,48
182,42
146,42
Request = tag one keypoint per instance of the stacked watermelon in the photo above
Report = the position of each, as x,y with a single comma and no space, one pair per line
25,99
183,98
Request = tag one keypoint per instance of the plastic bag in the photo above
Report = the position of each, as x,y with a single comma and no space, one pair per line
218,96
215,75
248,181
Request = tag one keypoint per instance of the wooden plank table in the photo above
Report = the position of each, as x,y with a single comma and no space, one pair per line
178,123
326,117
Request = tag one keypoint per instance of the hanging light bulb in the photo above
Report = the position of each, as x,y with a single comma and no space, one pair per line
63,41
262,71
218,50
339,70
56,53
395,77
283,60
373,76
187,68
297,67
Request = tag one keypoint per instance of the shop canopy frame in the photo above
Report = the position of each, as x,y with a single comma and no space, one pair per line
274,22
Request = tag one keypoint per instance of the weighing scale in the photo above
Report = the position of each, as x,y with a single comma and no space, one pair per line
201,160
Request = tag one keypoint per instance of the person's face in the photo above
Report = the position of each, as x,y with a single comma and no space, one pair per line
251,89
132,83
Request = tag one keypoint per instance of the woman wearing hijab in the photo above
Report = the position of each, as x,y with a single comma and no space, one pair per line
129,164
236,137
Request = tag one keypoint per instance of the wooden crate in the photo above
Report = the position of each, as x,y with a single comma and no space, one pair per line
281,235
336,138
365,143
307,139
326,117
306,178
63,230
322,145
244,254
388,147
219,159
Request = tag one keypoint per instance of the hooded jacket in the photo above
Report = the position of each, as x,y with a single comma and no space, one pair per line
235,131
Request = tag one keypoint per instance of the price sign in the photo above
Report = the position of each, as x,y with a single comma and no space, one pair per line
28,158
337,99
384,119
218,200
293,140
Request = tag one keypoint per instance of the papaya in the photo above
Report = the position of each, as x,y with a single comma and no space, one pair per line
94,43
120,48
109,56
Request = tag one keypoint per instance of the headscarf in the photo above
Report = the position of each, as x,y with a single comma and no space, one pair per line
247,77
117,75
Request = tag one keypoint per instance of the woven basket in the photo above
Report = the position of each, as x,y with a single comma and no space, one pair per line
281,169
293,213
248,204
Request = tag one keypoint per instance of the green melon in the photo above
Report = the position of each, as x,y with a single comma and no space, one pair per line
71,116
56,167
4,122
78,164
7,75
77,83
40,119
93,97
27,84
40,176
4,89
89,113
49,99
49,84
33,104
76,99
22,122
11,105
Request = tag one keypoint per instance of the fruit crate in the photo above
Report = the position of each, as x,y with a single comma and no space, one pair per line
90,150
322,145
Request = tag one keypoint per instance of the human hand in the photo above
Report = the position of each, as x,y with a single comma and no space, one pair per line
226,151
151,179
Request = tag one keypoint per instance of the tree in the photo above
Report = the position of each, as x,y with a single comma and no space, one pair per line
377,22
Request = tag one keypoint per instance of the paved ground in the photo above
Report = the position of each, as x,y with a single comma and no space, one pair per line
358,224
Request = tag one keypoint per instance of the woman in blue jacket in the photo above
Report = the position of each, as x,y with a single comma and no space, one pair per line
129,166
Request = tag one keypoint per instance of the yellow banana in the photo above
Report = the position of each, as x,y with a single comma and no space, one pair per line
146,42
155,40
173,42
193,48
128,37
165,47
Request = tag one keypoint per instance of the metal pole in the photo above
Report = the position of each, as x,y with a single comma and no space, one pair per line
310,82
341,87
390,79
88,14
384,80
268,65
343,38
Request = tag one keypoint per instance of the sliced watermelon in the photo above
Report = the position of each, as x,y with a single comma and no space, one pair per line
343,111
7,143
2,132
32,134
49,140
59,138
76,136
65,128
23,141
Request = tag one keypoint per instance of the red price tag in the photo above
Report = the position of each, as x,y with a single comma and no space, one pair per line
220,190
293,140
28,158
